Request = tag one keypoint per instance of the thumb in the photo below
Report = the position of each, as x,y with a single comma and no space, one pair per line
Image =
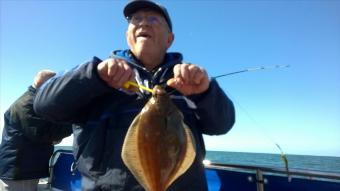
174,83
41,77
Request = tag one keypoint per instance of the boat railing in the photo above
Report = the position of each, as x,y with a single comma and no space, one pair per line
220,177
250,177
293,172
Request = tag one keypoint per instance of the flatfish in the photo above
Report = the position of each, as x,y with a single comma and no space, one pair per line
158,147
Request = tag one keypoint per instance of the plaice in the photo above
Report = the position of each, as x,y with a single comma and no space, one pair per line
158,147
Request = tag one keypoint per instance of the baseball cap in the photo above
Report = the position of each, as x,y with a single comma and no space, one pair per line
137,5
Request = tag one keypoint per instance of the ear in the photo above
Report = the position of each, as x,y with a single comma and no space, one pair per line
171,38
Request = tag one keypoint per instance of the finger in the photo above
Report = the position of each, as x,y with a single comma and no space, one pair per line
175,83
102,70
200,75
122,69
171,82
126,75
131,71
132,77
112,68
193,69
177,71
185,73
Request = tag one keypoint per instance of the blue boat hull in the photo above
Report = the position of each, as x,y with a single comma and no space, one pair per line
221,177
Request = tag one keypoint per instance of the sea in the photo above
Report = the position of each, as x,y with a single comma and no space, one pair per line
298,162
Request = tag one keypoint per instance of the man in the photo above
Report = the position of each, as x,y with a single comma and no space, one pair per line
92,96
27,141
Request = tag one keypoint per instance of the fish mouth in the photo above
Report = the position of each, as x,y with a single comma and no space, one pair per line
158,91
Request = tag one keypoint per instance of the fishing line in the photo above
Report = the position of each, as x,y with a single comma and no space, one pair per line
283,157
261,129
282,154
257,125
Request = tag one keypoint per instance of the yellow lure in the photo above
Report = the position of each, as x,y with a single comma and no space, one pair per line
127,85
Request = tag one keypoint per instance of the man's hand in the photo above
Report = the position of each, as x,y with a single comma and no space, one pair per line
41,77
189,79
115,72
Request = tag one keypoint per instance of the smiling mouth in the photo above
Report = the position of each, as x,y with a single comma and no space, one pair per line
143,35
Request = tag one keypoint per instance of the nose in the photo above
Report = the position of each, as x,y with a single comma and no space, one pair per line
144,22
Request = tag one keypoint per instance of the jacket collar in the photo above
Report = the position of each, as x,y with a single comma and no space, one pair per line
170,59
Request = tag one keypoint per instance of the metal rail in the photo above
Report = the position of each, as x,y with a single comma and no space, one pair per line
292,172
263,175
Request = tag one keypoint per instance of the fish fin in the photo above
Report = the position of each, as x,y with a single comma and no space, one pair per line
189,156
130,155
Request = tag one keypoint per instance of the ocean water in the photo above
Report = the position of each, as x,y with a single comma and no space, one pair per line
315,163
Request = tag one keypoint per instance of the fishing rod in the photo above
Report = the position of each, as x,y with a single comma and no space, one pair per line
282,154
252,69
285,160
128,84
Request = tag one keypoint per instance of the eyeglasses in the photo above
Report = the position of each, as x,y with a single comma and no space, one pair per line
150,19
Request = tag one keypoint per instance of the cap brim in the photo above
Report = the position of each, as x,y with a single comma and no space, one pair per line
134,6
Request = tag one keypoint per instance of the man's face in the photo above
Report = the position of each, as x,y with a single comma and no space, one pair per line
148,33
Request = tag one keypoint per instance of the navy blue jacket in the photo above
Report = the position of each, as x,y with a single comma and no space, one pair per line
26,145
103,115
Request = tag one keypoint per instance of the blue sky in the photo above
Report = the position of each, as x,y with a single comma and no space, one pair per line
297,107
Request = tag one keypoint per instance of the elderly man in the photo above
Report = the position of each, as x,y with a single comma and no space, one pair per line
27,141
92,95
